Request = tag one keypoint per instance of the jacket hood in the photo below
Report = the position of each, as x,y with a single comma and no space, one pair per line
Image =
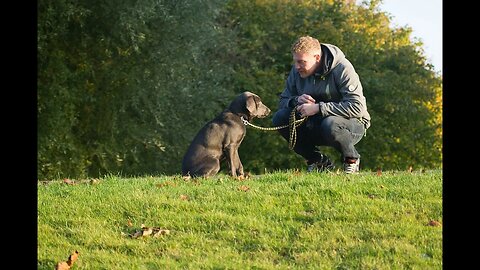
331,57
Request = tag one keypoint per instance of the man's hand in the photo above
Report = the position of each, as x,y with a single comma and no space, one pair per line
308,109
306,105
305,99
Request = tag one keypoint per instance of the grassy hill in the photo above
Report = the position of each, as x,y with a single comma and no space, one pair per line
280,220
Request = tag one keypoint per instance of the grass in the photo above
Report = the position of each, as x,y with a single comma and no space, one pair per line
281,220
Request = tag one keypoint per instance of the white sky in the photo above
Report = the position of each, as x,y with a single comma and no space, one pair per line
425,19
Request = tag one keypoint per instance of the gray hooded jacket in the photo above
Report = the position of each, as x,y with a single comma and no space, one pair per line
335,86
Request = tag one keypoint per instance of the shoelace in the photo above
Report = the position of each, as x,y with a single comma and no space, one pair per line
351,167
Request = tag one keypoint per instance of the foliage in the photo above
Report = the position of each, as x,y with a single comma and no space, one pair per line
281,220
403,92
118,82
124,86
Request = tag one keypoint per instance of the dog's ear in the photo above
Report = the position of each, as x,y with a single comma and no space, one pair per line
251,104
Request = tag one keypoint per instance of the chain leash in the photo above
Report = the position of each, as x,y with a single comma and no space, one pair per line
292,125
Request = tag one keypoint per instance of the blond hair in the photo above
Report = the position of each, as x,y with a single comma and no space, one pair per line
306,44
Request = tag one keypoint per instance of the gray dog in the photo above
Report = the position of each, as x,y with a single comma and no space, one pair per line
220,139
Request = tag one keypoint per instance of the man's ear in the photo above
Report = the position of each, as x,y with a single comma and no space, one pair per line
317,57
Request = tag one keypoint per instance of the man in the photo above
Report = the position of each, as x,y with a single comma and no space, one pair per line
323,86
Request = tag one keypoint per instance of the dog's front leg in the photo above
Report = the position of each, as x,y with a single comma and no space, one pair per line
230,154
238,164
236,167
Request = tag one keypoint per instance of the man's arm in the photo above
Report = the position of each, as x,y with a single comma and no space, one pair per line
353,103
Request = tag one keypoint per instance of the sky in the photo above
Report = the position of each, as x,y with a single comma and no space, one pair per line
425,19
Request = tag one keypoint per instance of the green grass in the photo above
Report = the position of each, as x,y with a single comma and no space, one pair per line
285,220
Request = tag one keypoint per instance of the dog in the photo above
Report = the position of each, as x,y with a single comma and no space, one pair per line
220,139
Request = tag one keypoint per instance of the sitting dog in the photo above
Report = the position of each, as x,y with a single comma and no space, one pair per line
220,139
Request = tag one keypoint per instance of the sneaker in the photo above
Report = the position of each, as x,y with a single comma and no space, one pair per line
323,164
351,165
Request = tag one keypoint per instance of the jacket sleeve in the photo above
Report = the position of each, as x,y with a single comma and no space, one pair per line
287,97
353,103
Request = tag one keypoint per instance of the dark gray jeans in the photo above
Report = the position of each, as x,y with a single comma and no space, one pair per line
335,131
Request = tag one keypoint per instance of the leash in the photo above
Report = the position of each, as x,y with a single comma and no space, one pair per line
292,125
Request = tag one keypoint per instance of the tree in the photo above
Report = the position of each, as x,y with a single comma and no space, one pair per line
124,86
402,90
117,83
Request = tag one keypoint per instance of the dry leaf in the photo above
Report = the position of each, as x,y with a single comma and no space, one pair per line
434,223
68,181
137,234
62,266
410,169
129,223
147,231
94,181
66,265
244,188
72,258
153,231
184,197
379,172
158,232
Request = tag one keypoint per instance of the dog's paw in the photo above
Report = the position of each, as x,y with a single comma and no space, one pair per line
186,177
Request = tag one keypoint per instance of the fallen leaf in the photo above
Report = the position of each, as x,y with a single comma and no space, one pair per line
184,197
69,263
94,181
129,223
137,234
410,169
72,258
434,223
244,188
62,266
379,172
68,181
153,231
158,232
147,231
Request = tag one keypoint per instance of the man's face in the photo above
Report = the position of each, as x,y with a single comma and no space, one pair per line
306,63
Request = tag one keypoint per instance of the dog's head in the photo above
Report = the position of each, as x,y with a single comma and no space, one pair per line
250,105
